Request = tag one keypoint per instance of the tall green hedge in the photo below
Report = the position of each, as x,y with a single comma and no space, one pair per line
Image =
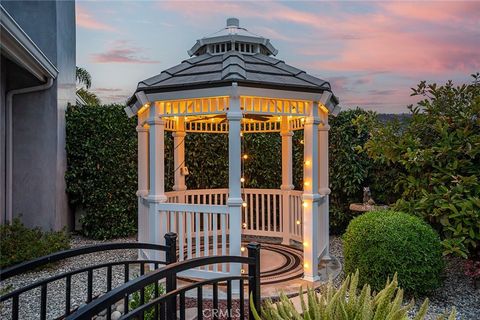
102,162
102,169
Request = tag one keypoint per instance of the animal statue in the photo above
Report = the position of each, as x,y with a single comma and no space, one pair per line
367,196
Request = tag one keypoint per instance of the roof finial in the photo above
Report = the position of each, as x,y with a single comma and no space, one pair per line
233,23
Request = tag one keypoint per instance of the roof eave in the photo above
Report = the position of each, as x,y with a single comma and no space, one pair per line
18,46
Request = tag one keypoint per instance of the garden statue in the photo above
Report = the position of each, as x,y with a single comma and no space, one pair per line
367,196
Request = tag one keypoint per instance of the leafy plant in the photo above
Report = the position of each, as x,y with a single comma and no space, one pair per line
149,294
84,79
346,303
19,243
382,243
102,169
351,170
438,152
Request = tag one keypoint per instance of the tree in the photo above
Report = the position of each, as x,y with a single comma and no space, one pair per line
439,153
84,80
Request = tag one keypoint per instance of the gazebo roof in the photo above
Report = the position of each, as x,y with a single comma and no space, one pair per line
235,57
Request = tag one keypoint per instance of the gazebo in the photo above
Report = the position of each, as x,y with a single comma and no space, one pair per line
232,85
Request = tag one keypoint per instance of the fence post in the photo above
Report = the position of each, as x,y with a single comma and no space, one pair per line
171,279
254,277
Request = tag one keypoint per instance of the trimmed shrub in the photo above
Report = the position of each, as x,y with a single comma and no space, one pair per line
346,303
19,243
382,243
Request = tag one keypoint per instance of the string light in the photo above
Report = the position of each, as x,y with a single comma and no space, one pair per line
242,179
305,204
306,265
298,222
244,204
242,249
244,225
245,156
306,183
305,244
302,142
307,163
242,271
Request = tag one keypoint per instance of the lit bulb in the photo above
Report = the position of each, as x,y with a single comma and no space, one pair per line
303,119
244,225
244,204
242,271
242,180
306,265
245,156
298,221
241,134
307,163
302,142
242,249
305,244
306,183
305,204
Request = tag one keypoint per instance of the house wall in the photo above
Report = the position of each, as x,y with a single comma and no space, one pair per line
39,158
2,137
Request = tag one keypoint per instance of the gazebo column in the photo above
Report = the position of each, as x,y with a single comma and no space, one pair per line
287,177
310,196
234,201
324,190
142,192
179,159
157,226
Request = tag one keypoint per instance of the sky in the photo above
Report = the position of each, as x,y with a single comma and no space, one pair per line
372,53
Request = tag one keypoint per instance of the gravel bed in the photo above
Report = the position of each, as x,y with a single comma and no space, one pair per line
457,290
30,301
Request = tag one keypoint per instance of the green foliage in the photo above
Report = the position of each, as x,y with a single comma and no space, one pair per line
351,169
439,154
149,294
84,79
19,243
102,169
346,303
382,243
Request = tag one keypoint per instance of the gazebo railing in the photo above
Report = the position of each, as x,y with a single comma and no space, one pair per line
263,214
202,231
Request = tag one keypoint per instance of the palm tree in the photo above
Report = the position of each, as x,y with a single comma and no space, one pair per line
84,79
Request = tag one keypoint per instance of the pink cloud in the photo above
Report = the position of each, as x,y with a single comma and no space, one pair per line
85,20
121,52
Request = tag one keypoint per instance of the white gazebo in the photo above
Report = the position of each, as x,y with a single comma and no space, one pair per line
232,85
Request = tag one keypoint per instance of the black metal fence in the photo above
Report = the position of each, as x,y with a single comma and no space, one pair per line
160,306
14,296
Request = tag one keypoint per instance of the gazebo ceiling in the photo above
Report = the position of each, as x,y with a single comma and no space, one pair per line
237,56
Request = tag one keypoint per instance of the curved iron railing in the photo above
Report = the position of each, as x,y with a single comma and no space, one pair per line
165,306
170,257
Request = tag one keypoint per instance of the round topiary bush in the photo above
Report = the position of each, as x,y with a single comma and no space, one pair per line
380,243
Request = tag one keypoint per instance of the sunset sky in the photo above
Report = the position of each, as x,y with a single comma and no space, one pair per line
371,52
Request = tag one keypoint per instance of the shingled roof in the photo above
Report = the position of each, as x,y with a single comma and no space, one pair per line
213,67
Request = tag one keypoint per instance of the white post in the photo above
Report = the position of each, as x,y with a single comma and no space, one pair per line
142,192
287,177
310,196
234,202
324,190
179,159
157,222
